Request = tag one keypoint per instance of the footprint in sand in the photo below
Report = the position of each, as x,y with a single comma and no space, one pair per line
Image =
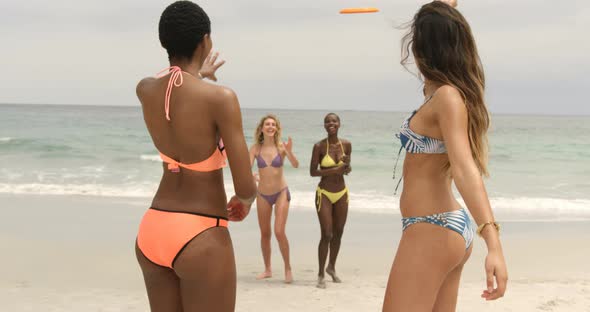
551,304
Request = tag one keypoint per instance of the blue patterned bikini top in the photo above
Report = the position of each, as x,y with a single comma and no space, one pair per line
416,143
419,144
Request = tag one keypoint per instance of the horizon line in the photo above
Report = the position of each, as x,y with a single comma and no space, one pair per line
298,109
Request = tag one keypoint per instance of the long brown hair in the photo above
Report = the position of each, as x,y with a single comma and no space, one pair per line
259,136
445,52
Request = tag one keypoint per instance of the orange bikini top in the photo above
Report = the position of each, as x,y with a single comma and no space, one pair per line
217,159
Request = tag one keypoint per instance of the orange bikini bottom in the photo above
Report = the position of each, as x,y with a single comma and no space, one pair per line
164,234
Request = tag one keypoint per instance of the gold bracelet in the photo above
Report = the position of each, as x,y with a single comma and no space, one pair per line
483,225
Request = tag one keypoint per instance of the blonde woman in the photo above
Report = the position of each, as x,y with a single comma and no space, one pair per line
270,152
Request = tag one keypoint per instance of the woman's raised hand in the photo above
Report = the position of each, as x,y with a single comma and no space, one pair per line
210,66
288,145
452,3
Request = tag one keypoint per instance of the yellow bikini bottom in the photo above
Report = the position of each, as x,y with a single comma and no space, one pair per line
332,197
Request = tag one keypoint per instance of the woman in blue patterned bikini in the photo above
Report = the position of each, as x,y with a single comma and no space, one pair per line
270,152
445,141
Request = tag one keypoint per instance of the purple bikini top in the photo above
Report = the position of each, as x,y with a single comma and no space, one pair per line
276,162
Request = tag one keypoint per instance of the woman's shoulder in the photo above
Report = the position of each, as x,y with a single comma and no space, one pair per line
447,94
221,100
345,141
320,143
214,93
255,147
448,100
143,86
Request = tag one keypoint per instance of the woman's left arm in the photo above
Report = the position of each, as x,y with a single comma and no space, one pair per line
288,148
347,157
451,114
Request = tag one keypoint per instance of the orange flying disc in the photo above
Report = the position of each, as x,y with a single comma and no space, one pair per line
358,10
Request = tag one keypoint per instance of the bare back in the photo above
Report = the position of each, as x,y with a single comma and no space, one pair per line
190,136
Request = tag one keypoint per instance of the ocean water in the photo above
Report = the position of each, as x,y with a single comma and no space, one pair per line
540,165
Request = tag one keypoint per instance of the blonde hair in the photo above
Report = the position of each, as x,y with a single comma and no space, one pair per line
259,136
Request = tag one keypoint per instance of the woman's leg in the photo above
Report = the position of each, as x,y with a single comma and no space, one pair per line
446,300
325,217
339,215
426,255
264,210
207,272
162,285
281,214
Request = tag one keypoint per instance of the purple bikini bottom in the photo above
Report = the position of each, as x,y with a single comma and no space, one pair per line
272,198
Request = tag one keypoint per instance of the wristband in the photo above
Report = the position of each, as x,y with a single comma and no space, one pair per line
483,225
247,201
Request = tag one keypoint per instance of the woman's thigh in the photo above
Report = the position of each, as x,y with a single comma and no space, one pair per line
207,272
264,212
425,256
162,285
281,212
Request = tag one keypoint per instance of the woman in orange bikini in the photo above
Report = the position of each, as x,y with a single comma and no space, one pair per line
270,153
183,245
332,155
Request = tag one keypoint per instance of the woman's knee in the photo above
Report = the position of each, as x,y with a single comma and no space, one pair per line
337,233
327,236
280,234
265,234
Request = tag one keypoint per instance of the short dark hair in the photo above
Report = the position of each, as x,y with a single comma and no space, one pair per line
334,114
182,27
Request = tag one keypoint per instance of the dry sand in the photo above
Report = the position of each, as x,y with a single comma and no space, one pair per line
64,253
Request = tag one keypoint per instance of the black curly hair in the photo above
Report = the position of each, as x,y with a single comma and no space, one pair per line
183,25
332,114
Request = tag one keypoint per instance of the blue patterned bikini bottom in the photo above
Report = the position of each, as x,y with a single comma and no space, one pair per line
457,221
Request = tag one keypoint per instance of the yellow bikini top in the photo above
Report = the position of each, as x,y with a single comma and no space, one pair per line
327,161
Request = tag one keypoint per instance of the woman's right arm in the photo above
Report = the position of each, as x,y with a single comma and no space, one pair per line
253,151
228,119
453,121
314,169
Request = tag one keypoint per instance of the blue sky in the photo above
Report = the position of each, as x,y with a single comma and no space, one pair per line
293,54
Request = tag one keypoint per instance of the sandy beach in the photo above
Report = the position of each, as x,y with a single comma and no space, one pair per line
64,253
80,165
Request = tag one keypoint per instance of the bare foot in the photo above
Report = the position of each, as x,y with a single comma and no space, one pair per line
332,273
263,275
321,282
288,277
